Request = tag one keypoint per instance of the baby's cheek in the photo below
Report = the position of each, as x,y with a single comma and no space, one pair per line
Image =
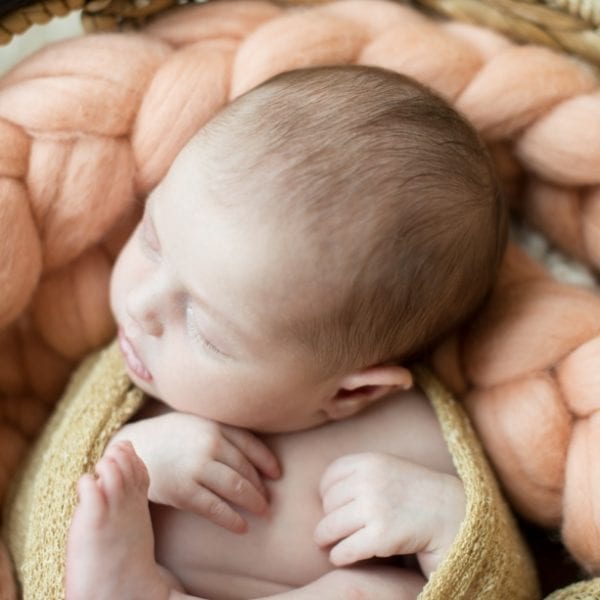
177,379
129,269
116,292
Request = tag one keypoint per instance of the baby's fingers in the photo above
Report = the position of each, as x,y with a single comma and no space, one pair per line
340,469
230,485
358,546
255,450
337,495
337,525
204,502
232,457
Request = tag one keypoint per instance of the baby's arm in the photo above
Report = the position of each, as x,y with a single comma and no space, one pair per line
380,505
201,466
370,583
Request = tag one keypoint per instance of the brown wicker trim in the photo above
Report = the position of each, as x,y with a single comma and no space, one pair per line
36,13
568,25
588,10
96,15
103,15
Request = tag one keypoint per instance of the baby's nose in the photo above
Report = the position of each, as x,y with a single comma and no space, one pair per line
143,307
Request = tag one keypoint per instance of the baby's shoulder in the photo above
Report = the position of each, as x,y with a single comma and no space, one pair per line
404,424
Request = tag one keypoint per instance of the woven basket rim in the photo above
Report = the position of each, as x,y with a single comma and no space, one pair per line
571,26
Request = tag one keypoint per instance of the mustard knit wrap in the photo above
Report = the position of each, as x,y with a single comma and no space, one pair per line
488,560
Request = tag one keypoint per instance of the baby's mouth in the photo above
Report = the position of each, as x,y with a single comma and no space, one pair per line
133,361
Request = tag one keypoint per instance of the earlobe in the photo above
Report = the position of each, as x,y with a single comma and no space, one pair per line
342,408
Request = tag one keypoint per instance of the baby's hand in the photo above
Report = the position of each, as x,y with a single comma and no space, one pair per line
379,505
201,466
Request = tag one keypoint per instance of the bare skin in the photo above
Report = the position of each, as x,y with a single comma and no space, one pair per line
344,500
111,528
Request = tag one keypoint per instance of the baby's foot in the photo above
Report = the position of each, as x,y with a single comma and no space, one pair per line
110,552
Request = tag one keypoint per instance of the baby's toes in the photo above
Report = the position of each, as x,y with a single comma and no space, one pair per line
119,452
132,467
92,502
110,479
140,475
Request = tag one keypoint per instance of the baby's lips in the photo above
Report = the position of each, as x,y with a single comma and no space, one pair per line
133,361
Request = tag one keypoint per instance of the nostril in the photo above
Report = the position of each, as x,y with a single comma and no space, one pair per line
152,325
144,314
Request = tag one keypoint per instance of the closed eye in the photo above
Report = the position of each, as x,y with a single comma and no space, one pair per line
197,336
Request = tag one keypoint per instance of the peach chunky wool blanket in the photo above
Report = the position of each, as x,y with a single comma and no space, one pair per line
89,126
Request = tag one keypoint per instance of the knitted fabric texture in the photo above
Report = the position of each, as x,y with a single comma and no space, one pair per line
488,560
584,590
99,399
116,110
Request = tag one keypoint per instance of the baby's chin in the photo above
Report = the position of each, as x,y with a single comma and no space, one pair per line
145,386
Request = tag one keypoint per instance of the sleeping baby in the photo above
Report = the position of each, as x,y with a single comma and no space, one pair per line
318,235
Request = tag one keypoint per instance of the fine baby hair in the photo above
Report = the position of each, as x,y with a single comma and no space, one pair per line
391,192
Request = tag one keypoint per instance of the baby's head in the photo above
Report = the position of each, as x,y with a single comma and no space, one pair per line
336,221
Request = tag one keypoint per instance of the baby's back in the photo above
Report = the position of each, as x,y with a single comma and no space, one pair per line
278,552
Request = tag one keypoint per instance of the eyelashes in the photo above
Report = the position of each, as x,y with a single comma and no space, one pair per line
195,333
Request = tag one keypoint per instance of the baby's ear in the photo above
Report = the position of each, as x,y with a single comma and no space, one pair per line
358,390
